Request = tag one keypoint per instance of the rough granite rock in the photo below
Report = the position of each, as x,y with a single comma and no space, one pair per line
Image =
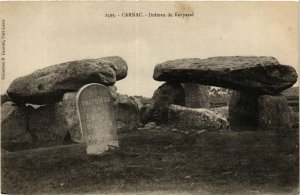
113,91
258,74
48,85
197,118
13,125
222,110
47,123
243,110
138,102
127,113
166,94
71,116
294,117
148,126
145,114
5,98
274,113
292,95
196,96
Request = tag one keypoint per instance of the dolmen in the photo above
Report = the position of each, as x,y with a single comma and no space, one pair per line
41,107
257,80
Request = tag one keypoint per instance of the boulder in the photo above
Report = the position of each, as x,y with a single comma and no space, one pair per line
196,96
47,123
5,98
138,102
143,100
243,110
258,74
121,66
145,114
274,113
127,113
113,91
14,125
70,116
150,125
292,95
294,117
48,85
221,110
197,118
166,94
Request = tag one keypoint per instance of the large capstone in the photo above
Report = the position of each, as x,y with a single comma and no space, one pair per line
258,74
196,96
5,98
274,113
197,118
165,95
48,85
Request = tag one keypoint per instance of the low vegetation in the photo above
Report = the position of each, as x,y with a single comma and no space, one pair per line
162,161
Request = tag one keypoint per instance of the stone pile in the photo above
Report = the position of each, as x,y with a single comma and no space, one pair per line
258,81
54,88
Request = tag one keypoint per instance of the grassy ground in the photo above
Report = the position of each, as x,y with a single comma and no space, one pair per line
162,161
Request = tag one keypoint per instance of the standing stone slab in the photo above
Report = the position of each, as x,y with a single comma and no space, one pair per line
71,116
14,125
243,110
196,96
97,118
127,113
274,113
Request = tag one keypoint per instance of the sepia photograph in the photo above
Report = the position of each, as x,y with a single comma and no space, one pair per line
149,97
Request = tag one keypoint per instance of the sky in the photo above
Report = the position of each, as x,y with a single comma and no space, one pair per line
39,34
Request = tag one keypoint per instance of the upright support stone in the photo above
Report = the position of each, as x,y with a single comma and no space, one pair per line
127,113
71,116
97,118
196,96
47,123
14,125
243,110
274,113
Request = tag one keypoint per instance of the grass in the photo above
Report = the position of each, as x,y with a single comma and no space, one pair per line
161,161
